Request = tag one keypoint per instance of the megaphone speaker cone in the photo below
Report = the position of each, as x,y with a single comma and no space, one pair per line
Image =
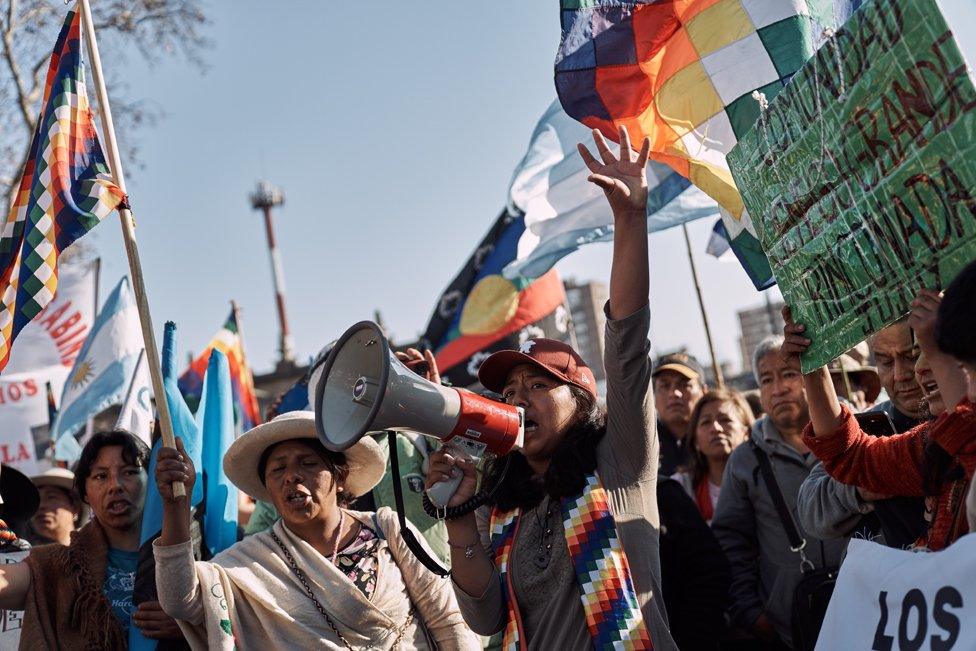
364,388
349,392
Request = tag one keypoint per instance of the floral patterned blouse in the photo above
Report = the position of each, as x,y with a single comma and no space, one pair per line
358,560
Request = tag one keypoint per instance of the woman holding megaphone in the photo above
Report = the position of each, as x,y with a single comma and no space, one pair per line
324,576
564,554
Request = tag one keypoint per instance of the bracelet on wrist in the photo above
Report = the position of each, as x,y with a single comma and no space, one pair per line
467,549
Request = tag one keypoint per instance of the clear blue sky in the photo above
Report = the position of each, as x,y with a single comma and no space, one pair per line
393,129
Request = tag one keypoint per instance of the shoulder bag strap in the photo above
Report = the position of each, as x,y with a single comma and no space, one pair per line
412,543
797,542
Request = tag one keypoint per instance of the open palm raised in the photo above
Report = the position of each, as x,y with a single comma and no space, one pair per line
623,179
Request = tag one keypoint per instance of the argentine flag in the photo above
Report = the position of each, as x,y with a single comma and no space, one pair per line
564,211
102,372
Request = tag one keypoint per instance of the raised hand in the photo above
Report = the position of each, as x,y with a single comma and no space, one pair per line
623,179
925,307
794,343
423,364
174,465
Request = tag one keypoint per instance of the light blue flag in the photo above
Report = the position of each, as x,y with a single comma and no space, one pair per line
564,211
215,418
102,371
185,428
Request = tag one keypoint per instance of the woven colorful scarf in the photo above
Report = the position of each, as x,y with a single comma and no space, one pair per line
613,614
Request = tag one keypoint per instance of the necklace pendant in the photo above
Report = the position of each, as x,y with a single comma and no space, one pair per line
542,560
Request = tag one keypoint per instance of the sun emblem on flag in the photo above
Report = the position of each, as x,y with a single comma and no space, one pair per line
83,373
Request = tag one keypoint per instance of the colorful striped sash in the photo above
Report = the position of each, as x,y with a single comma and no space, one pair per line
613,614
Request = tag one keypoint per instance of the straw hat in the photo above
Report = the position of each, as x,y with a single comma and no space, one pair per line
57,477
866,376
365,461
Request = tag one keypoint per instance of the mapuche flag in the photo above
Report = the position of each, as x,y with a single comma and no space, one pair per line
682,72
228,341
65,191
482,311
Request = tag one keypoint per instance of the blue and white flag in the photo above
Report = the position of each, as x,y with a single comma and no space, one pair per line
136,415
718,242
102,371
564,211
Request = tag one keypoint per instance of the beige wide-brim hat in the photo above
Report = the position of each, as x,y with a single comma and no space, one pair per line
57,477
867,376
366,463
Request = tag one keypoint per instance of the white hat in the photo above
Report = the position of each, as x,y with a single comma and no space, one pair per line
365,461
58,477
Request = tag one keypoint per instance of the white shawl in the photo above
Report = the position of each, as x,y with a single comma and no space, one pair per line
251,598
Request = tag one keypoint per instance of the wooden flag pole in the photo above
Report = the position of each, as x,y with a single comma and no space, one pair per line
719,380
129,236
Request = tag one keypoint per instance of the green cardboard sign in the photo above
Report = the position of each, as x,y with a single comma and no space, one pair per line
861,175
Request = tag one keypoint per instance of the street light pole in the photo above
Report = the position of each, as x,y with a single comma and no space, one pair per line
264,199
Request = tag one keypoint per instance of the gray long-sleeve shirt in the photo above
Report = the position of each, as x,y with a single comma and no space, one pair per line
826,507
829,509
627,463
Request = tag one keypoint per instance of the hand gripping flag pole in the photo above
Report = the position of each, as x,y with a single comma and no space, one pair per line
129,236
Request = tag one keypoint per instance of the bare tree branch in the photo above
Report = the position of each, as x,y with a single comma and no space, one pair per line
156,29
8,53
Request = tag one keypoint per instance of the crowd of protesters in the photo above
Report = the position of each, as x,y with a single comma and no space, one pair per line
715,523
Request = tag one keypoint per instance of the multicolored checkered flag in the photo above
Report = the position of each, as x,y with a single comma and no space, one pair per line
230,342
65,191
682,72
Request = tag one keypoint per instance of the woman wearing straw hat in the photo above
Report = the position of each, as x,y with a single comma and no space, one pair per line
60,510
323,575
581,493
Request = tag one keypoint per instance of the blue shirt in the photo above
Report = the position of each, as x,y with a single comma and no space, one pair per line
120,578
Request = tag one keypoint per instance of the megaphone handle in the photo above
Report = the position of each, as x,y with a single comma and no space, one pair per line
442,492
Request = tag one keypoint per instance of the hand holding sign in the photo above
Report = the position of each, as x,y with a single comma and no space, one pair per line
794,341
925,307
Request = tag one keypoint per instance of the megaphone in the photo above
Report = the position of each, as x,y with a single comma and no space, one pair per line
362,387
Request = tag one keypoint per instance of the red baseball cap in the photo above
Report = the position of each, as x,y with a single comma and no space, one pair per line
554,357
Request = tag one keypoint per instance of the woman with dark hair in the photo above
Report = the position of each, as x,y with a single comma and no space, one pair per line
720,422
79,596
581,492
322,576
935,460
955,327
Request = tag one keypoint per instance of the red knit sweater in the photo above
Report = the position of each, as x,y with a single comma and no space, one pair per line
891,465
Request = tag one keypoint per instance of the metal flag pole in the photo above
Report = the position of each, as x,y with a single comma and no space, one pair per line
129,236
240,337
719,380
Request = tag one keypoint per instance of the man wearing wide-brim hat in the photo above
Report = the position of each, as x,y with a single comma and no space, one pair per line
61,510
863,381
